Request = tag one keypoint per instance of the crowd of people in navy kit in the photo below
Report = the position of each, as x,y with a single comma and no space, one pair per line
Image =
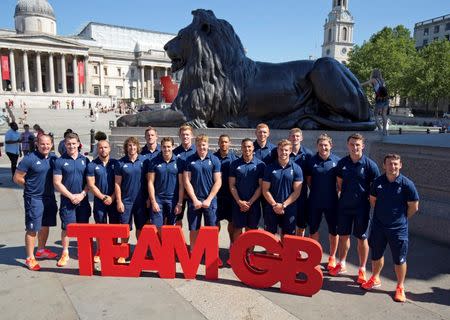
286,186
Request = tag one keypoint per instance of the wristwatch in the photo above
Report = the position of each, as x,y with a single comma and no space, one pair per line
105,197
284,206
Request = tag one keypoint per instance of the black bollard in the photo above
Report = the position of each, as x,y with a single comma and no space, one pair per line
92,140
428,130
399,130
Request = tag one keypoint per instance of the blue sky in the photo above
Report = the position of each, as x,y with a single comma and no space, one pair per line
271,31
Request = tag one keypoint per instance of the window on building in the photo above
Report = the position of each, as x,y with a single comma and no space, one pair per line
344,34
39,23
119,72
106,92
447,26
95,70
436,29
329,35
96,90
447,37
119,92
328,52
425,42
133,93
425,31
105,71
132,73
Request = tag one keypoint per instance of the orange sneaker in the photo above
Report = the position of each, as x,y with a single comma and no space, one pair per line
331,263
45,254
339,269
63,260
97,257
361,276
32,264
400,294
372,283
121,260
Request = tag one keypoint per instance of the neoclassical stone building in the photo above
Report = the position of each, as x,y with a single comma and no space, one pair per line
103,61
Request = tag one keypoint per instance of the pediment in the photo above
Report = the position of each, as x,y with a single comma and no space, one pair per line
44,40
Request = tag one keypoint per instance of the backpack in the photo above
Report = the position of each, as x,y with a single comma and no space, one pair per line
382,92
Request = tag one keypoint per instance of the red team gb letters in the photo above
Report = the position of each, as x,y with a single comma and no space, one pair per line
282,262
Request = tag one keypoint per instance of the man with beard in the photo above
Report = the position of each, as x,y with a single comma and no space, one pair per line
35,174
100,179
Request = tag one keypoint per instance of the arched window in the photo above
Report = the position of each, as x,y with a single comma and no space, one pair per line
339,3
39,23
344,34
329,35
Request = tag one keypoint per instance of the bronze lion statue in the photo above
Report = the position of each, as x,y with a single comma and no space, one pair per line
221,87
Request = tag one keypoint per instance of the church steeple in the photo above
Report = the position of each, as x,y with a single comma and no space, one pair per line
338,32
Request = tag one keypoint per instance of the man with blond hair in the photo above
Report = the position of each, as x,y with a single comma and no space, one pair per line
34,173
202,181
182,152
321,173
281,188
264,149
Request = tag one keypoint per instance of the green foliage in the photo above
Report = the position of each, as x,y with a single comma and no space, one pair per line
423,75
392,51
430,74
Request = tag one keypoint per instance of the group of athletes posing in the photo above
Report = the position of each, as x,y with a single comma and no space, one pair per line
287,185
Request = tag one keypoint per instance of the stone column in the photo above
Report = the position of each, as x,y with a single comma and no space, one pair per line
51,72
75,75
102,79
26,76
63,74
12,70
87,82
142,82
38,72
152,85
165,71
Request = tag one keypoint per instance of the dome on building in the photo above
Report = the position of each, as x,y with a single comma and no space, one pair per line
34,8
35,17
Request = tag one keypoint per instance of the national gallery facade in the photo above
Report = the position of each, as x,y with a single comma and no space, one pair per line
102,61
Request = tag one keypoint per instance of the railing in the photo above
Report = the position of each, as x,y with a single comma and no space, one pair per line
429,21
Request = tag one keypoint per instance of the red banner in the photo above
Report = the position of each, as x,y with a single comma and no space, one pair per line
170,89
80,65
5,68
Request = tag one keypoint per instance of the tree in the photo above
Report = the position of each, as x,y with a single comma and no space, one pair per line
392,51
430,74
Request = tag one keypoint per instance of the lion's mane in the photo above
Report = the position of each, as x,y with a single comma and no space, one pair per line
215,73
